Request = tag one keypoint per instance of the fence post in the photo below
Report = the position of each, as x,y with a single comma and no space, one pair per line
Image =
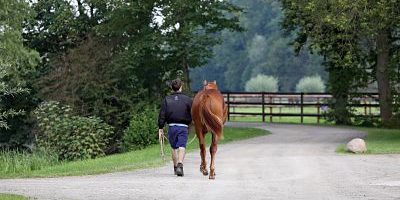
301,107
270,109
229,107
263,106
318,110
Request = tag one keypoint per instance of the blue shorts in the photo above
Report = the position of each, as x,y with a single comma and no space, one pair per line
178,136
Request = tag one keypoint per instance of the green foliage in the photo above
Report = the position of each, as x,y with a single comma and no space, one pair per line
262,83
366,121
16,162
142,130
310,84
261,49
17,64
191,28
71,137
356,40
105,57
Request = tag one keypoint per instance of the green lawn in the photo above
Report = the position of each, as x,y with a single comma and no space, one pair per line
149,157
379,141
286,119
12,197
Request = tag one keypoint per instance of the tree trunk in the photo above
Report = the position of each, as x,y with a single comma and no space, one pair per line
186,77
80,8
340,86
382,76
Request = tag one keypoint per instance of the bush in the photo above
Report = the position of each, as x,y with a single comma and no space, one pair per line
310,84
142,130
71,137
366,121
262,83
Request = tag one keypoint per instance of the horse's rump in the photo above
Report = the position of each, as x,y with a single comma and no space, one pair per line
211,111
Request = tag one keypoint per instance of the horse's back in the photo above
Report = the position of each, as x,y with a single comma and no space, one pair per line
208,111
213,97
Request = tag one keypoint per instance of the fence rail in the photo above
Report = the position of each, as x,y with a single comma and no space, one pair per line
242,104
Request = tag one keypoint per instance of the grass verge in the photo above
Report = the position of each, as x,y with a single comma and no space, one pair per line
379,141
145,158
12,197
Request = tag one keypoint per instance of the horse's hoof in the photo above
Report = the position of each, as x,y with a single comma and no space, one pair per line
204,171
212,175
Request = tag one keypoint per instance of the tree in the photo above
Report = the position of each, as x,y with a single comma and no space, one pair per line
262,83
310,84
190,28
351,35
16,63
111,71
261,49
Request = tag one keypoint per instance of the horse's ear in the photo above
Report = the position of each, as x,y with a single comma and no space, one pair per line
205,82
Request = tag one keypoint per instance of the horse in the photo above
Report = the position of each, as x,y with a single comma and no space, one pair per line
209,113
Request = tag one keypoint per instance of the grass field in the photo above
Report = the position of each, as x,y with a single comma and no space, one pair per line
12,197
379,141
149,157
286,119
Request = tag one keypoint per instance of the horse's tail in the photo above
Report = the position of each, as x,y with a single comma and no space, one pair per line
213,122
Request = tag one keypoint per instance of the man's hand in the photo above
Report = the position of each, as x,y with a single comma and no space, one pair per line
160,134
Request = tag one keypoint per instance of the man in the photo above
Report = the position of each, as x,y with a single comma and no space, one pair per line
175,111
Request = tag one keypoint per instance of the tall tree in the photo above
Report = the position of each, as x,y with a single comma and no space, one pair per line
190,28
16,63
353,34
261,49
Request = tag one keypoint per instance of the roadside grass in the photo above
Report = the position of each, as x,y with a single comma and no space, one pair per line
17,162
145,158
12,197
379,141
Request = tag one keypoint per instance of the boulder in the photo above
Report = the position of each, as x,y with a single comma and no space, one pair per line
356,145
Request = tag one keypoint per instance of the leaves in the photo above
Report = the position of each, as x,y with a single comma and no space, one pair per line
142,130
72,137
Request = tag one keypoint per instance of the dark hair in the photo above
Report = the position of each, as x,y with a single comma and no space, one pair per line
176,84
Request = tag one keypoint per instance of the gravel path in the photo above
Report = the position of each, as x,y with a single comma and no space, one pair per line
294,162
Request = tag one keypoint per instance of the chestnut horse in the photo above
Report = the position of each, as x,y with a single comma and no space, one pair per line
209,113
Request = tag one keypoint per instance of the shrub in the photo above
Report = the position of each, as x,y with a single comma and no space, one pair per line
71,137
142,130
310,84
262,83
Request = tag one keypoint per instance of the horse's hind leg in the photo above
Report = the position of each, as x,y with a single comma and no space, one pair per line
203,165
213,151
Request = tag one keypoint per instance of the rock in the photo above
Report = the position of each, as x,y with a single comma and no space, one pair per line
356,145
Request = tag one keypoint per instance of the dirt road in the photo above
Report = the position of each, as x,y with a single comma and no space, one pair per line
294,162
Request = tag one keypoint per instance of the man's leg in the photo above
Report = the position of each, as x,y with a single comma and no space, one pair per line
174,153
181,156
182,140
172,137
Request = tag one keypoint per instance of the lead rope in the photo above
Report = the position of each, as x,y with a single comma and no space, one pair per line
162,152
161,140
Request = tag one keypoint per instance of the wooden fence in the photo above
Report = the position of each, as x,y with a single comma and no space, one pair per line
241,103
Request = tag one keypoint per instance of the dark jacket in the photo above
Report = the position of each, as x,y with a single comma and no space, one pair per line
175,108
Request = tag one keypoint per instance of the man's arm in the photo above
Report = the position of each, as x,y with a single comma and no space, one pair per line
162,115
190,103
161,119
